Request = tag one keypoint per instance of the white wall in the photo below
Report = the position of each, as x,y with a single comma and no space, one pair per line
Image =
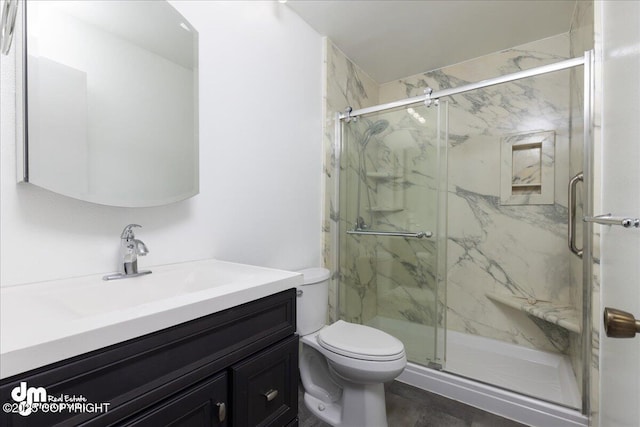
260,162
620,248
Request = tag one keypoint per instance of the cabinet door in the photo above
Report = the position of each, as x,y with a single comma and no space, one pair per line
204,405
265,387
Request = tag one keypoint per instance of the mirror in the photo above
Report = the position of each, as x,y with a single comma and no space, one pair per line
111,101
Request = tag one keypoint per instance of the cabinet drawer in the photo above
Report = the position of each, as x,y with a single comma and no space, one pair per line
265,387
204,405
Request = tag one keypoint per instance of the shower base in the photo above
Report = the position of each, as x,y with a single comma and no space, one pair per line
499,365
541,374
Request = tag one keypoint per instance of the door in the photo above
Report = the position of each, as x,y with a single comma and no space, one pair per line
620,195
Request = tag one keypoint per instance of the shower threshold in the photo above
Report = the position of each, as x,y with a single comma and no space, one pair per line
540,374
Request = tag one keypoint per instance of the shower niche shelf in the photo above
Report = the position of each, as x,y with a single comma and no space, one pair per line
384,209
561,315
383,175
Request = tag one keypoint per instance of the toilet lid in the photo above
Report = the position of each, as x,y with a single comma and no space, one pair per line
360,342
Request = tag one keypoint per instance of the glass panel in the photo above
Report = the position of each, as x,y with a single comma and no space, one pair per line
392,168
514,303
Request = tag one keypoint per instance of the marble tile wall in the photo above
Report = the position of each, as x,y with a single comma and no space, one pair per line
398,193
518,249
515,250
345,85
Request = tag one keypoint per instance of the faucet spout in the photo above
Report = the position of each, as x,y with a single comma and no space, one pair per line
141,248
130,248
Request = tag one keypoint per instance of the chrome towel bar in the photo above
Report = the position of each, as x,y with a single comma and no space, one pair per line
608,219
418,235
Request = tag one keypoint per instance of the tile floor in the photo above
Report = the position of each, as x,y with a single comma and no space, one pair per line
408,406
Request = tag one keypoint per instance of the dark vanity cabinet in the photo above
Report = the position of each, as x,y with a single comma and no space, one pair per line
237,367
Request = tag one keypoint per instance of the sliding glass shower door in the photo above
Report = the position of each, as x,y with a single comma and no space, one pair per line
392,237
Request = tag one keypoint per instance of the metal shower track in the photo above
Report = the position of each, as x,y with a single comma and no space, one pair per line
562,65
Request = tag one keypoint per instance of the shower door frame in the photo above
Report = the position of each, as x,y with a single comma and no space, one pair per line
588,62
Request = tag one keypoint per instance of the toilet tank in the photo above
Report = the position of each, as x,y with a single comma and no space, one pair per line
312,301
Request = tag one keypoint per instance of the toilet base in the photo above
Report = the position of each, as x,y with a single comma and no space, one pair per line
361,405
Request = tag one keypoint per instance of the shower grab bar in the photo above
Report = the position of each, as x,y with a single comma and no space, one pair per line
418,235
572,207
608,219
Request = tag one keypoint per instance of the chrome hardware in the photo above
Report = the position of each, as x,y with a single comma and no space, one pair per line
608,219
270,395
418,235
8,24
360,224
347,114
222,411
299,293
440,93
130,249
572,207
427,97
620,324
434,365
127,233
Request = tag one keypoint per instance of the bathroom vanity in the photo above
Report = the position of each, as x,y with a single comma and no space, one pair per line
235,366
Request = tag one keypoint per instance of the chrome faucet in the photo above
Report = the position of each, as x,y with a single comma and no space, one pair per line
130,249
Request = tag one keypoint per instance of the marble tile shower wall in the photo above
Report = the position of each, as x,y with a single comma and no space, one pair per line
359,269
398,193
516,250
371,268
345,85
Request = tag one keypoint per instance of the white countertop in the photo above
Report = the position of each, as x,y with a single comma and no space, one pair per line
47,322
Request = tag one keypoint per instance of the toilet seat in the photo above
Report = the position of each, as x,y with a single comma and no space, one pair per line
360,342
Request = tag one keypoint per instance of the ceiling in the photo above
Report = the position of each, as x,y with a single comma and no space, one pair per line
393,39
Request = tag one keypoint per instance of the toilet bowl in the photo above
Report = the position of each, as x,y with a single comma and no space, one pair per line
343,365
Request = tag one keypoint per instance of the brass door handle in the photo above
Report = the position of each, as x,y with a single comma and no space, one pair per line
620,324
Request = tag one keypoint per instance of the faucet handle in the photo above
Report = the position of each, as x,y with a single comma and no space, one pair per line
127,233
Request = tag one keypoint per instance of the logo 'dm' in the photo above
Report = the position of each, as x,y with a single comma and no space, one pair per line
29,395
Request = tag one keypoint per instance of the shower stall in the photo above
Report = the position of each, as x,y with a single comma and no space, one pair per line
454,219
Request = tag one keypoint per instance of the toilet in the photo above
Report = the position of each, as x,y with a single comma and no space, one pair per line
343,365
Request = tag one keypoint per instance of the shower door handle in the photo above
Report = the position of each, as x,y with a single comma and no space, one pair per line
572,213
7,24
620,324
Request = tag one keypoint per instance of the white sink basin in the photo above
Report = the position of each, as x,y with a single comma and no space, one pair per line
172,281
45,322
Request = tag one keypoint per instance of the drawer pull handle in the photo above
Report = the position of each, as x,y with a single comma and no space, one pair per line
222,411
270,395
